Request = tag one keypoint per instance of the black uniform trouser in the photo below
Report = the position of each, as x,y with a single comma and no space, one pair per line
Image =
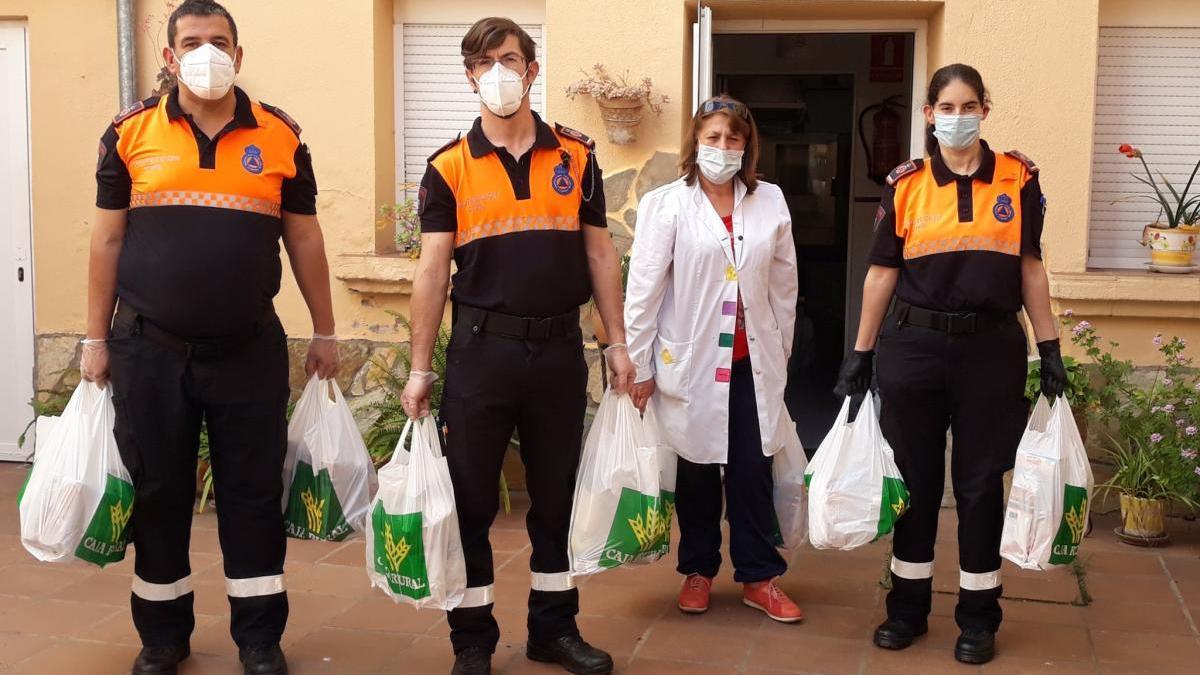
494,385
162,394
748,497
972,384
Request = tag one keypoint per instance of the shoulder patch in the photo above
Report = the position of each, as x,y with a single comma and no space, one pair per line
909,167
1029,165
576,135
287,119
446,147
137,107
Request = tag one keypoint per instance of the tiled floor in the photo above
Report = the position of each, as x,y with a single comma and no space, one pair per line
1143,617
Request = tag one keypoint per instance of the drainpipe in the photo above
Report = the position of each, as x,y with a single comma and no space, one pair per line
125,52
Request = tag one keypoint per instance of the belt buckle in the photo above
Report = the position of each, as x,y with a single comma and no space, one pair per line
961,323
539,329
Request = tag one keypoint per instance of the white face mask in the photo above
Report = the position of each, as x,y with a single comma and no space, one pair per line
717,165
502,90
956,132
207,72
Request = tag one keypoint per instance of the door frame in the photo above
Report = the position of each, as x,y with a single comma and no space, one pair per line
22,209
919,28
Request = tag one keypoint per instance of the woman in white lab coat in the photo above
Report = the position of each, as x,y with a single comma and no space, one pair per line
709,314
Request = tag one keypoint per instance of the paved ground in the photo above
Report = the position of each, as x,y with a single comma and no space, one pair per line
1143,616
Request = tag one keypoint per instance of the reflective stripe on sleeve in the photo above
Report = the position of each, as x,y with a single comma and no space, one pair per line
480,596
552,581
985,581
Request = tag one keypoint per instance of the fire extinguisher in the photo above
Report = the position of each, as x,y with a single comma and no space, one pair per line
883,152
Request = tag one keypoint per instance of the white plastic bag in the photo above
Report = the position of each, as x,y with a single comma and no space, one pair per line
855,491
790,494
79,496
621,513
328,476
1048,505
414,549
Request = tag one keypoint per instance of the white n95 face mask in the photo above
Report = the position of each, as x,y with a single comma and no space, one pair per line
502,90
717,165
207,72
956,132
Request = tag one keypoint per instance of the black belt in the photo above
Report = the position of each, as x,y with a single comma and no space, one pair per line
476,321
186,347
949,322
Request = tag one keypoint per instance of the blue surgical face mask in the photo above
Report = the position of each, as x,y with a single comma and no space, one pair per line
956,132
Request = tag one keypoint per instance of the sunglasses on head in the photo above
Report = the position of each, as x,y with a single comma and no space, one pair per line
713,105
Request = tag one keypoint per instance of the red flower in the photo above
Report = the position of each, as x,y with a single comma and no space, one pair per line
1129,151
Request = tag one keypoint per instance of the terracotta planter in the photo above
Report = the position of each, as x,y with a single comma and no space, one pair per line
1171,249
621,117
1143,519
598,327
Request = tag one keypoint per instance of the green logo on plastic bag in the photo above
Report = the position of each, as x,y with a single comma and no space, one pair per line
400,553
314,511
1070,530
640,529
105,539
892,506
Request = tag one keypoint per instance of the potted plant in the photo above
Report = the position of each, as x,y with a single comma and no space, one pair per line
621,104
1172,244
402,217
1154,441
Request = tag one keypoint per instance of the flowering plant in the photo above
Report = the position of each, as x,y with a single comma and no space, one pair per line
1155,444
600,84
1180,208
403,218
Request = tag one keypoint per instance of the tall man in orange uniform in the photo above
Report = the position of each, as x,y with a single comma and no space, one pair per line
519,206
195,190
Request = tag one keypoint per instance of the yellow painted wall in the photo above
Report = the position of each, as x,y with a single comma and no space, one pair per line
73,95
1149,13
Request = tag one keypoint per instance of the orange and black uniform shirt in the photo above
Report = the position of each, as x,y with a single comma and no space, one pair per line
201,252
517,223
958,240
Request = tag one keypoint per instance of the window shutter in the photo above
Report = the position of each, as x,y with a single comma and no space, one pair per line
437,100
1147,95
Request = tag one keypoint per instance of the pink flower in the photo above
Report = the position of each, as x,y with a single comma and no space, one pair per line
1158,340
1168,382
1180,422
1069,313
1188,453
1197,471
1190,431
1155,437
1168,408
1189,401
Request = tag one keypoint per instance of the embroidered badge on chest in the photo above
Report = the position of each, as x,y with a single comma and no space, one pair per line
562,182
1003,210
252,160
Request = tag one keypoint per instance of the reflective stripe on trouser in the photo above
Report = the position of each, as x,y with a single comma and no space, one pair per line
909,570
493,385
972,384
161,398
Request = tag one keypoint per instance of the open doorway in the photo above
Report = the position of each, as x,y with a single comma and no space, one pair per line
834,111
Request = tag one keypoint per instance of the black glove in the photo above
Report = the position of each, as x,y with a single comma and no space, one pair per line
855,377
1054,373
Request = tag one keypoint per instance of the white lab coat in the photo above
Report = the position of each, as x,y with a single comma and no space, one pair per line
683,275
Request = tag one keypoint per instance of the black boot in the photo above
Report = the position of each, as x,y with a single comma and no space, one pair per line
160,660
572,653
263,660
472,661
898,633
975,646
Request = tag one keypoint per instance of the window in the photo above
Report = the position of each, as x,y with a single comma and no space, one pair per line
434,99
1147,95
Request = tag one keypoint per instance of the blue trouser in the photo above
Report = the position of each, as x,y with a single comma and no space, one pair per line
747,490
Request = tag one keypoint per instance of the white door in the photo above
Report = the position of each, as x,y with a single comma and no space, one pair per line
16,280
702,61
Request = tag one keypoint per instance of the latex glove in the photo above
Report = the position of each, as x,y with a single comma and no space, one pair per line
93,362
620,368
641,393
415,397
854,379
1054,373
322,358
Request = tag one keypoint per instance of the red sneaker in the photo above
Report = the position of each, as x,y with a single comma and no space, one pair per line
767,596
693,597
